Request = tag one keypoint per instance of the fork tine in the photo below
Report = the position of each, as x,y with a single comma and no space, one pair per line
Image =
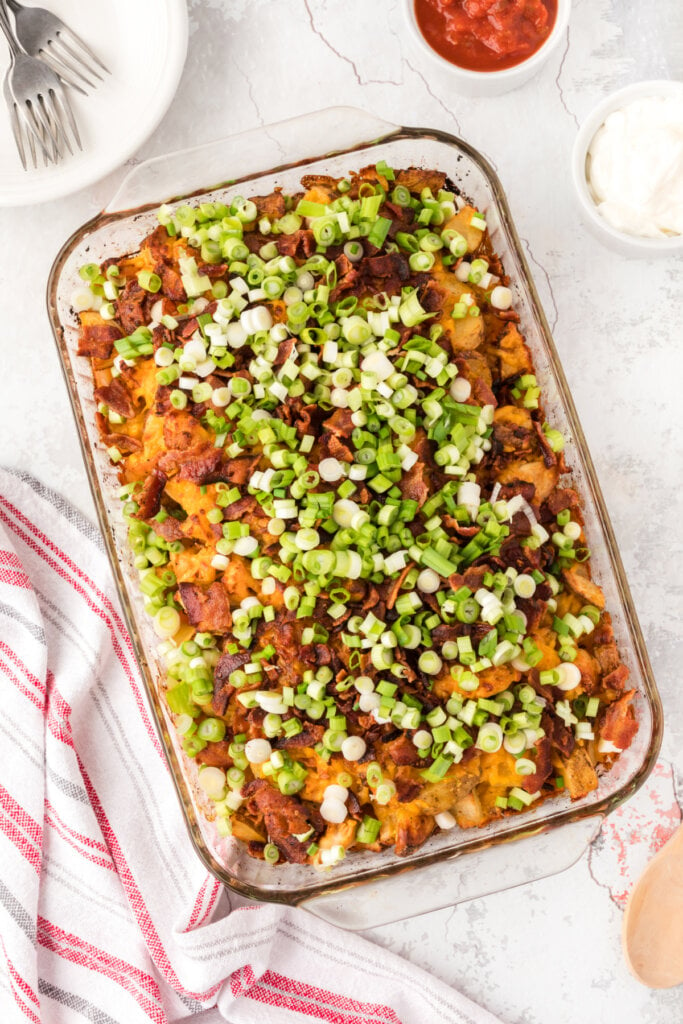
34,135
45,129
65,71
62,100
65,34
75,38
55,115
16,131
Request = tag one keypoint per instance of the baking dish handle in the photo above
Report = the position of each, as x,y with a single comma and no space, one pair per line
461,878
244,155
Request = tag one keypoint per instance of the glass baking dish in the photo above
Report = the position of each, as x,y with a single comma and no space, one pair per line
364,890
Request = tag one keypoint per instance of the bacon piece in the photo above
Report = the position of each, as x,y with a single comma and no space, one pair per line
216,754
130,306
284,351
311,734
97,340
523,487
299,243
332,447
607,657
161,335
407,790
403,751
222,687
390,265
351,283
207,608
392,588
618,725
417,178
459,529
149,499
322,181
117,397
200,467
240,508
124,442
159,244
162,401
413,484
472,578
272,205
562,498
340,423
534,611
170,529
532,783
549,456
285,817
482,393
239,470
171,283
616,680
213,271
561,738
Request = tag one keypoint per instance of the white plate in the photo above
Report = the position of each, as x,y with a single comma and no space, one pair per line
143,43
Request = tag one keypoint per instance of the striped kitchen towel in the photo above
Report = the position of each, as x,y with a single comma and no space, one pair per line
106,912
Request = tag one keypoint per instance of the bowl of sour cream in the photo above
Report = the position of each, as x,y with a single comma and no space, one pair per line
627,168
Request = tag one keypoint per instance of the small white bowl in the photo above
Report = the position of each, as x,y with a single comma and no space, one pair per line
491,83
627,245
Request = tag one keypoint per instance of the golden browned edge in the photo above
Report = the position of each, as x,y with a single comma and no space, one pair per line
422,858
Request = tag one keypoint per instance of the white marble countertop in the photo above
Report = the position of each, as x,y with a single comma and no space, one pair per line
548,952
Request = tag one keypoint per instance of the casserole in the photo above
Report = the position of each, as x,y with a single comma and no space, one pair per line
114,233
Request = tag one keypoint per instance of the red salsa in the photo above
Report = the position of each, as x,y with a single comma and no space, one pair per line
485,35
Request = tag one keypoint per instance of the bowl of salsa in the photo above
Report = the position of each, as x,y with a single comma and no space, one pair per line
490,46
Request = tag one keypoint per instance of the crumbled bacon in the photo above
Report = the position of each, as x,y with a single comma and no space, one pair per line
542,759
299,243
207,607
403,751
97,340
149,498
222,687
285,817
200,468
130,306
171,283
117,397
618,725
124,442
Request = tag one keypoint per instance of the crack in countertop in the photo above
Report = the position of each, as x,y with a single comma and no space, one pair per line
250,92
433,94
559,87
597,844
342,56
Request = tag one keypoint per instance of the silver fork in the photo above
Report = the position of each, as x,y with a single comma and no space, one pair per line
44,35
39,108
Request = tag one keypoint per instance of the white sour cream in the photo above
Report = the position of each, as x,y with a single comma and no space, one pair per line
635,167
